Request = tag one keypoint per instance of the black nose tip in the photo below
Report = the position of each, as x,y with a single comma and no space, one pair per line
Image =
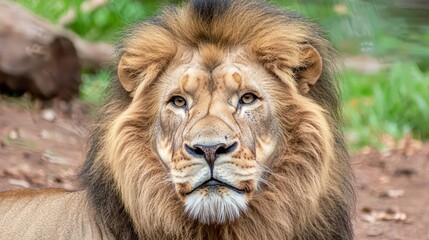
210,152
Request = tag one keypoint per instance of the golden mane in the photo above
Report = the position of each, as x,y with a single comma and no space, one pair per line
310,194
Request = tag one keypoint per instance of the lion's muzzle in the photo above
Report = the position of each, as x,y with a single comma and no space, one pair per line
211,152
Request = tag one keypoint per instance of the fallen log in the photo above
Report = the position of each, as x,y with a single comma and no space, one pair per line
44,59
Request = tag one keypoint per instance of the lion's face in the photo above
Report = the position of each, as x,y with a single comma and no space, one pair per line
217,132
223,123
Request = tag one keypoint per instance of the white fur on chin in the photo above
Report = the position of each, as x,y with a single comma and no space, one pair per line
215,208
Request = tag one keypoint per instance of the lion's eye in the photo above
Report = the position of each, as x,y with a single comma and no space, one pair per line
248,98
178,101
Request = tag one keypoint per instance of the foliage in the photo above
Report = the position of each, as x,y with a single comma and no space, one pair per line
381,28
94,85
103,23
393,101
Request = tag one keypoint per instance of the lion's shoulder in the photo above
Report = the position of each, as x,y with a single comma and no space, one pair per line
48,214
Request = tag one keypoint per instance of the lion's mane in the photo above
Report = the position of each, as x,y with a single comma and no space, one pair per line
309,195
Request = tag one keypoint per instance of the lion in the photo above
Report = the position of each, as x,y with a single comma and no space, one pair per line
222,123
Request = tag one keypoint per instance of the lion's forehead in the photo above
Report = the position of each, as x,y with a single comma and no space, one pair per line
195,75
225,79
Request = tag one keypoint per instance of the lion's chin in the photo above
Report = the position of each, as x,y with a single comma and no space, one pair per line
214,207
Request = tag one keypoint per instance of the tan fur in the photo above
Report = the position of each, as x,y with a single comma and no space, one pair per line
48,214
290,160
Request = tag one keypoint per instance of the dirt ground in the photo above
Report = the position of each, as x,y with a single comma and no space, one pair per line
45,148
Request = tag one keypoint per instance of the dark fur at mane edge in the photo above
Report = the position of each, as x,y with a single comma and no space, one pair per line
209,9
97,178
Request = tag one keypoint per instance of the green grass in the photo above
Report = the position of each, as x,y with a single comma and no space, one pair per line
394,101
94,85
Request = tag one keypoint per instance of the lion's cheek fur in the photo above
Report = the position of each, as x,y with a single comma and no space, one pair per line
137,165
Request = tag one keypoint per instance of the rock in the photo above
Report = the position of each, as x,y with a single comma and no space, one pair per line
19,182
48,114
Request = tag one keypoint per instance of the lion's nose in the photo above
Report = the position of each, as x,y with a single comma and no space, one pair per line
211,152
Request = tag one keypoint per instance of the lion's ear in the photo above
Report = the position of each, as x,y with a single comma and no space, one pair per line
125,74
311,69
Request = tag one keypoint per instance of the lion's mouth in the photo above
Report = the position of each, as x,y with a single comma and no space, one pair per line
214,183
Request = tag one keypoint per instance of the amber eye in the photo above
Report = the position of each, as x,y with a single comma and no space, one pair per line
178,101
248,98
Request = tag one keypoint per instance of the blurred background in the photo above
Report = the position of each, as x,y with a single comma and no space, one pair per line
384,83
